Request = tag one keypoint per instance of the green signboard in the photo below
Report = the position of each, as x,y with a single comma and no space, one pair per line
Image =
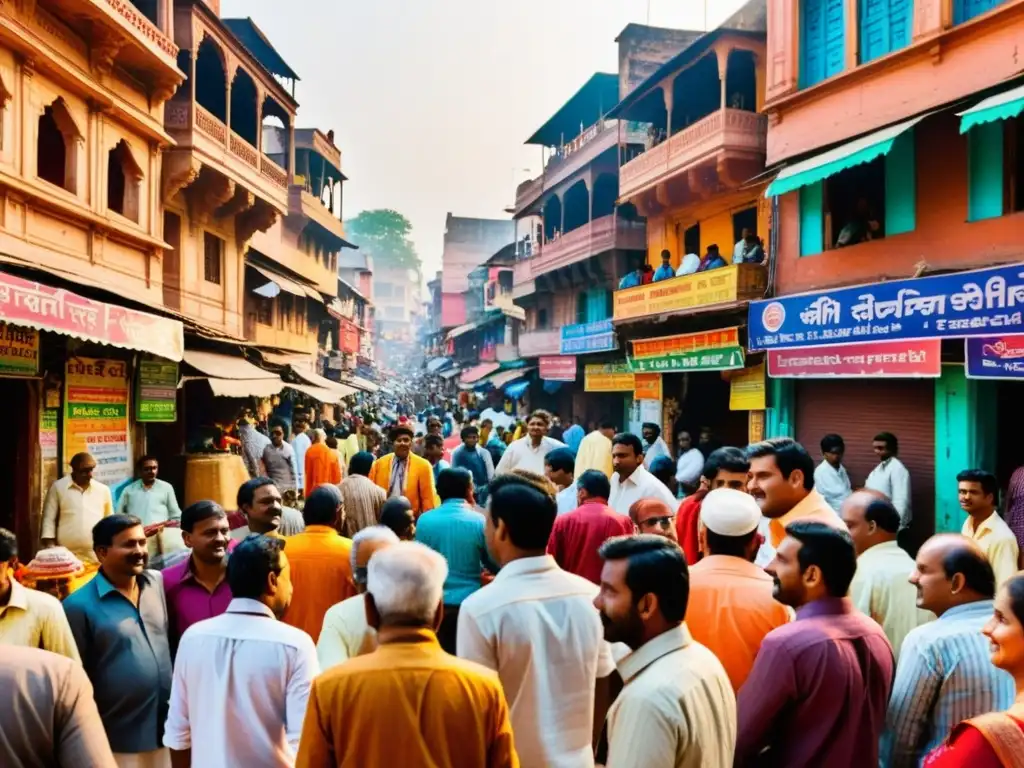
156,395
723,359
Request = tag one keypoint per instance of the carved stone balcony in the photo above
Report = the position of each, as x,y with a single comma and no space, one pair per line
537,343
594,237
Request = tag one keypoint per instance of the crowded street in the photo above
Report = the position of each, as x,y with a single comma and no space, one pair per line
681,434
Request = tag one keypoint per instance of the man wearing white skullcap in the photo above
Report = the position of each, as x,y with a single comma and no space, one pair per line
731,605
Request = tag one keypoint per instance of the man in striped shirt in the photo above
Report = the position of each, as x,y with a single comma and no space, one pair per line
944,673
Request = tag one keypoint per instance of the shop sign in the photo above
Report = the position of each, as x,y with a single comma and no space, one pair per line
19,350
96,416
889,359
581,338
156,396
647,386
39,306
710,351
349,341
613,377
558,368
703,289
995,357
964,304
48,433
747,389
755,426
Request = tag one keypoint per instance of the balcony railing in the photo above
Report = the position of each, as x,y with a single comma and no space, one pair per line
594,237
274,172
242,149
727,130
537,343
689,294
210,125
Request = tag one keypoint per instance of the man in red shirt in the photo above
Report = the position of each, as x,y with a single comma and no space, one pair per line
724,468
578,535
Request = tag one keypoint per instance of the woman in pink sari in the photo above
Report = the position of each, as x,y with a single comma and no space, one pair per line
995,740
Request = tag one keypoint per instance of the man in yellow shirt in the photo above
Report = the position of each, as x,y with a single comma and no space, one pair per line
977,491
74,504
408,702
596,451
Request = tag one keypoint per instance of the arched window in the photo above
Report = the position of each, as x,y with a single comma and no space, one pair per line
211,80
57,147
124,180
243,107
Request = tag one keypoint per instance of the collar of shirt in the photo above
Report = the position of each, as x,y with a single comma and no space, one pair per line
826,606
18,598
321,530
454,505
877,551
250,606
639,475
987,526
730,566
398,636
593,501
104,587
967,610
526,565
807,505
648,653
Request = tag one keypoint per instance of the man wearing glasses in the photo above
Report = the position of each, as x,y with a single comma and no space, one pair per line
654,516
279,462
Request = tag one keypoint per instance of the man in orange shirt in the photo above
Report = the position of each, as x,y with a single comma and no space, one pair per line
408,703
321,463
731,605
320,561
403,473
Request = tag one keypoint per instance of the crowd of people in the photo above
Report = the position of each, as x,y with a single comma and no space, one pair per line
579,599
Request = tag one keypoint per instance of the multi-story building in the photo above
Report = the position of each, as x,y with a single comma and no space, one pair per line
896,136
468,243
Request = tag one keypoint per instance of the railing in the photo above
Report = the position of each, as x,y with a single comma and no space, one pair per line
244,150
146,28
274,172
210,125
594,237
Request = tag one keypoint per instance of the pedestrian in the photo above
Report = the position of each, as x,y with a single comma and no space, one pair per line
49,716
197,589
690,463
577,536
880,588
631,481
433,452
241,680
654,516
345,633
261,503
830,477
319,561
676,707
27,617
945,674
725,468
321,463
595,451
119,620
891,476
664,470
977,491
574,435
654,446
150,499
535,625
397,514
408,703
74,504
732,607
472,456
361,497
818,690
1014,512
994,739
402,473
455,530
278,460
560,469
529,452
253,442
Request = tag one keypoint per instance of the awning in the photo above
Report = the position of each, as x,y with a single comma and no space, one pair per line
241,388
435,365
857,152
451,373
516,390
360,383
233,376
313,294
502,378
320,394
285,358
1002,106
317,381
456,332
516,313
551,387
477,372
282,283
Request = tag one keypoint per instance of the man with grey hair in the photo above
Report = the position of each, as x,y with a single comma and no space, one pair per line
408,702
345,633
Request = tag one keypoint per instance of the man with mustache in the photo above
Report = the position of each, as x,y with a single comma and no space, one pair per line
119,620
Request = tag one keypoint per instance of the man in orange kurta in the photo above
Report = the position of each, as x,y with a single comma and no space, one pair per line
321,463
403,473
320,560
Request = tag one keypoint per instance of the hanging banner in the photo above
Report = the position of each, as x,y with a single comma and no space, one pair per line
614,377
19,350
958,305
647,386
581,338
558,368
48,418
709,351
156,396
96,416
690,292
755,426
995,357
877,359
747,389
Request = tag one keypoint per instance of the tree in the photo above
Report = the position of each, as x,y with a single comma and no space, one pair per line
384,234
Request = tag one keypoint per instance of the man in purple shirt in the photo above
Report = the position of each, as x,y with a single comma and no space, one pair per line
818,692
197,587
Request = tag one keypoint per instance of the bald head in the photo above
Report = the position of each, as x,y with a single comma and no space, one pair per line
951,570
871,518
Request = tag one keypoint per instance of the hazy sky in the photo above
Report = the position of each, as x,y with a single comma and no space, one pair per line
431,100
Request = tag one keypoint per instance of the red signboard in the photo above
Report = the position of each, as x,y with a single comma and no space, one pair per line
876,359
558,368
31,304
349,341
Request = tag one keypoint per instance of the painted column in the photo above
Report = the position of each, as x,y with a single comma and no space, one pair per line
965,433
780,418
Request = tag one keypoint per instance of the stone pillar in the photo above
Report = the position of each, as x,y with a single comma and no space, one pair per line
666,90
783,50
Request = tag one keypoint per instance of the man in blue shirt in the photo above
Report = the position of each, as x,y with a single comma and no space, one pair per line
712,260
665,271
433,451
456,531
471,456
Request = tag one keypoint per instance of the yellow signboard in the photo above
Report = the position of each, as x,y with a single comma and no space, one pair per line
607,378
755,424
717,286
19,350
647,386
746,389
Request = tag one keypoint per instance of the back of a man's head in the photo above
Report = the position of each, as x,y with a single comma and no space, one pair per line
361,463
406,582
527,511
454,483
321,506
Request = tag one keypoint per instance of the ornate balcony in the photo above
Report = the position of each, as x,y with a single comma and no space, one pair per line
722,135
594,237
690,294
537,343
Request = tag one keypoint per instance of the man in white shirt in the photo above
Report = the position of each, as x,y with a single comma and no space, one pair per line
830,477
690,464
536,626
74,504
528,452
243,667
688,265
300,444
559,468
891,476
655,445
631,481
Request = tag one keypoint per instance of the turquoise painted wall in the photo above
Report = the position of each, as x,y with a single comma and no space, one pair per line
985,171
780,415
901,186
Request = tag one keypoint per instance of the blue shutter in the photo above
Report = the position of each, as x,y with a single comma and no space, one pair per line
965,10
812,42
884,27
597,304
812,225
985,171
835,36
900,23
901,186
